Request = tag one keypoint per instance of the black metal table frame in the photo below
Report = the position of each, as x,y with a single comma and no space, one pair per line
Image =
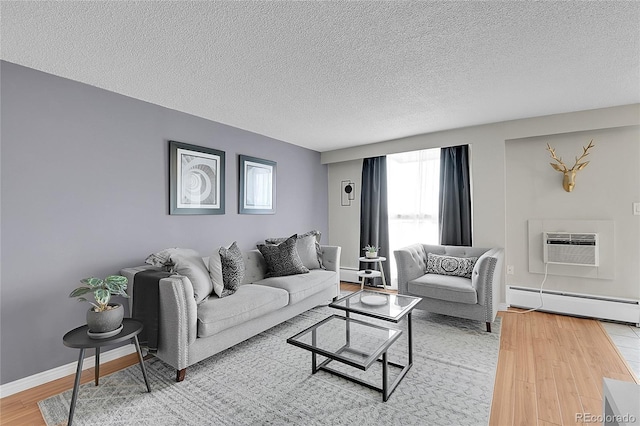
405,368
131,329
386,389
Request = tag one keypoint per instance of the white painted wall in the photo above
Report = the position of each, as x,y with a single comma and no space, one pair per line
489,179
605,191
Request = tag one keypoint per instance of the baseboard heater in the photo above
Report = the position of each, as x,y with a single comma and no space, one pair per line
576,304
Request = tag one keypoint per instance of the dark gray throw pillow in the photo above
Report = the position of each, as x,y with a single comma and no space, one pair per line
308,246
282,259
450,265
232,268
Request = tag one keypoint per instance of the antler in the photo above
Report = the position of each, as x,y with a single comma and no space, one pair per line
559,160
584,154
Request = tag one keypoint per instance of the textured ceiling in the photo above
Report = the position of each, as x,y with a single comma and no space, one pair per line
328,75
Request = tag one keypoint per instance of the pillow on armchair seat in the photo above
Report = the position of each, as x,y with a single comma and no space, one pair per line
450,265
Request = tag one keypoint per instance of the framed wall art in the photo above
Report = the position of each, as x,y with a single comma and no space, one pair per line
257,191
196,179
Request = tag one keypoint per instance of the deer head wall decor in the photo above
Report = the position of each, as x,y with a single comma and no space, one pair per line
569,180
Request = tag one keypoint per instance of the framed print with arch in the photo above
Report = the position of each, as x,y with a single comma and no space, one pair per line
257,186
196,179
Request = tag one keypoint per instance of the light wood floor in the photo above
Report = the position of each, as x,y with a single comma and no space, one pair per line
550,368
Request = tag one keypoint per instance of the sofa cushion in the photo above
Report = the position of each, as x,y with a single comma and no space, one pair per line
450,265
308,246
444,287
300,287
282,259
248,302
193,267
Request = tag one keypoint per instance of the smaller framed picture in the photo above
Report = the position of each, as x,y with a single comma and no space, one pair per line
196,179
257,186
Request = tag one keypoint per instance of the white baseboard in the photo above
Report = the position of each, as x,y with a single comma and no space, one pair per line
503,306
577,304
349,275
62,371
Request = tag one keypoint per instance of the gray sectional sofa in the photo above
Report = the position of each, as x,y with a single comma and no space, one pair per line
190,332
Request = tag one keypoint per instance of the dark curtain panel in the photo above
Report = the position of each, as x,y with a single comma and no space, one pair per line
455,196
374,214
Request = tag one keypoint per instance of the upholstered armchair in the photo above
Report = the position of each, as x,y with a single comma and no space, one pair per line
458,281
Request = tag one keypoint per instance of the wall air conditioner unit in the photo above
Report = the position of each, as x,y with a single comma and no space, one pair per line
568,248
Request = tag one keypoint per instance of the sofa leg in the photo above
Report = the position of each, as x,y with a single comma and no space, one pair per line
180,374
488,327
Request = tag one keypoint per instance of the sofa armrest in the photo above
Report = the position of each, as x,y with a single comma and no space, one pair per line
410,261
178,314
487,278
178,320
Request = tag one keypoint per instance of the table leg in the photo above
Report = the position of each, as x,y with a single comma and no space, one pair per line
384,280
314,368
410,338
76,385
141,360
97,376
385,377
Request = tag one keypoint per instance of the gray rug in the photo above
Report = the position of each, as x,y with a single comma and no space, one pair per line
265,381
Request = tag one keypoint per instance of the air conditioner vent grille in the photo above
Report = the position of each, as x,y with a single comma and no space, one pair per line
571,248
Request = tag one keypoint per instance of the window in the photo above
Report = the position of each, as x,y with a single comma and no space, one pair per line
413,186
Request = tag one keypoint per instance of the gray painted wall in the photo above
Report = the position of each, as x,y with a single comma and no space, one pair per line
84,175
496,223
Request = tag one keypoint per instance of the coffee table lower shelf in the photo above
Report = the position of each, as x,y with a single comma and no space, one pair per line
355,343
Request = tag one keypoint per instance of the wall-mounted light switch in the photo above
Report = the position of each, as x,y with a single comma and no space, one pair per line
636,209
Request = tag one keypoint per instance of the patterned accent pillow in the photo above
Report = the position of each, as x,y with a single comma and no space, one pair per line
450,265
232,268
282,259
308,246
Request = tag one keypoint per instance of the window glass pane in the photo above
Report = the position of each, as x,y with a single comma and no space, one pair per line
413,183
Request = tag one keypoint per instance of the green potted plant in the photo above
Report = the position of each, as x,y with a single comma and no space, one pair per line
103,317
371,252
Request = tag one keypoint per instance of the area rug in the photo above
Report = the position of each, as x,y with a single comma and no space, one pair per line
265,381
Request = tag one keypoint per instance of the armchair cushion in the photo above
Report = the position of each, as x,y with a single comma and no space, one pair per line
444,287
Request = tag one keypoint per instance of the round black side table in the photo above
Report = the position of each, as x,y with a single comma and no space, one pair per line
78,338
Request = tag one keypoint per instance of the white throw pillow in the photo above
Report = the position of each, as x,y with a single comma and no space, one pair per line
215,273
193,267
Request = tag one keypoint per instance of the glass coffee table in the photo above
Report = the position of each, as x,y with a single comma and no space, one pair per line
358,343
352,342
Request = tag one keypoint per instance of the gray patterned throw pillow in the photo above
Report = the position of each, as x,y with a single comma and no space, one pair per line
232,268
450,265
282,259
308,246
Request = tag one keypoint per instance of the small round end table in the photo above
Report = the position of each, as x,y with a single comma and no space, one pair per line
78,338
373,274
